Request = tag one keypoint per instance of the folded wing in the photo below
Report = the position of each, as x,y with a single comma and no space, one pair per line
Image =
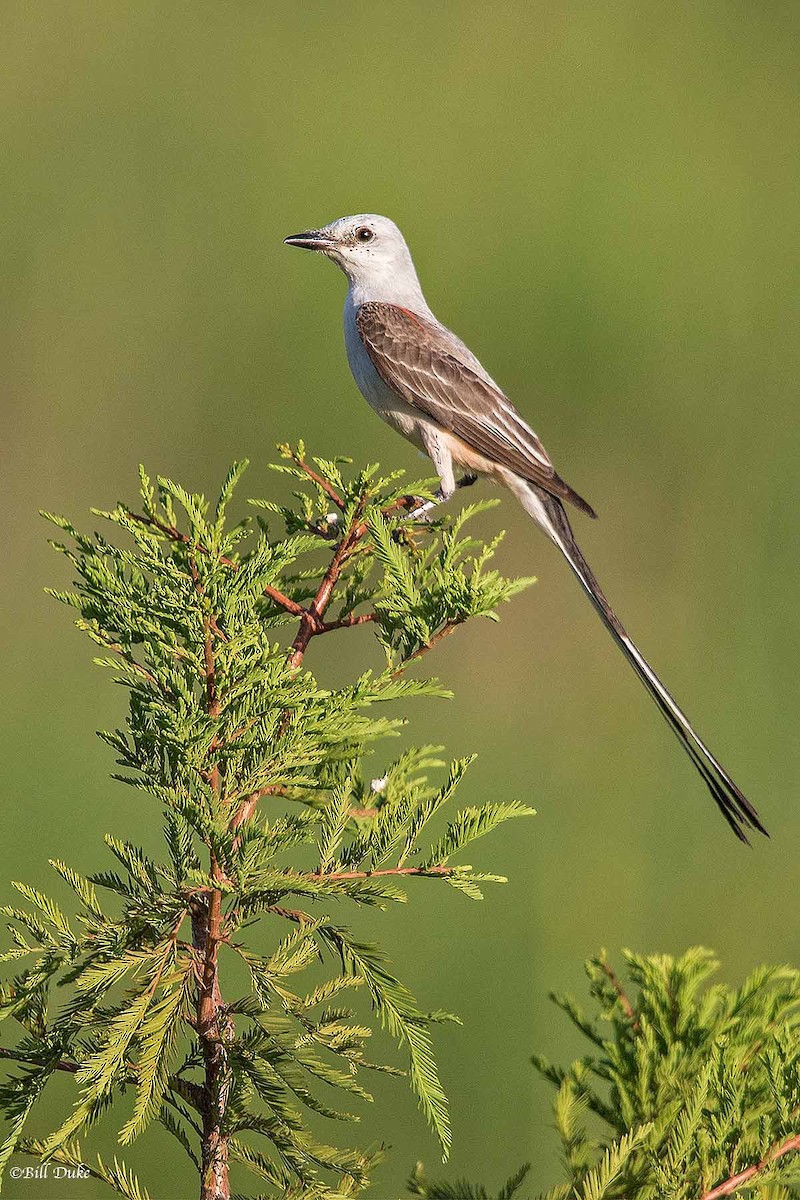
416,359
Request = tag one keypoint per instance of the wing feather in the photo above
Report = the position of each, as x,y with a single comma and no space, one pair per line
416,359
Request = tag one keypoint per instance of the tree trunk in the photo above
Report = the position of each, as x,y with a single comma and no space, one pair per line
214,1029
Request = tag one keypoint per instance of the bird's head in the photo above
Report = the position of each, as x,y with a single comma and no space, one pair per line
368,248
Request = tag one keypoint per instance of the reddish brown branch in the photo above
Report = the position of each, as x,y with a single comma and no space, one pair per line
40,1060
127,659
347,622
214,1026
624,1002
214,1029
736,1181
245,810
290,914
401,504
448,628
311,621
282,601
326,487
388,871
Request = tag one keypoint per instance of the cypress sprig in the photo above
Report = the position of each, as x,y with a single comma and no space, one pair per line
270,818
689,1090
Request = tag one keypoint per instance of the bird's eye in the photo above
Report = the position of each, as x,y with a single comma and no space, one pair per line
364,234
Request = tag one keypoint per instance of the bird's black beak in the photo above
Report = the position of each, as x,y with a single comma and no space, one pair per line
312,239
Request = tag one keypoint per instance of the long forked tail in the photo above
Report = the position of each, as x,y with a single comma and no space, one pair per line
737,810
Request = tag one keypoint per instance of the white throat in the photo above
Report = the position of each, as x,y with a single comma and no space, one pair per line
393,282
403,292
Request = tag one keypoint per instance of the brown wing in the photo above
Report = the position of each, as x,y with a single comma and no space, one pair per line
415,359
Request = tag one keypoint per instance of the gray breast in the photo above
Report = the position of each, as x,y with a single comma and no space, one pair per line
380,397
372,387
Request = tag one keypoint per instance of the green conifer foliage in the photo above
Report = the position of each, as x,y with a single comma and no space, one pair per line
271,827
688,1091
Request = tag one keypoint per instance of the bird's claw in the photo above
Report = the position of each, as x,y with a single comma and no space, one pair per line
420,513
425,508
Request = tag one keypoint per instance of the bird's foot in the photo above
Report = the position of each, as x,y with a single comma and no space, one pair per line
466,480
425,507
423,510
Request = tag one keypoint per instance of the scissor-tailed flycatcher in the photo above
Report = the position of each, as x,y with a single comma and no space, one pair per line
424,382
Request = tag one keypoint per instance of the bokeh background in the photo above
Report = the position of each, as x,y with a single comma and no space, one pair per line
602,200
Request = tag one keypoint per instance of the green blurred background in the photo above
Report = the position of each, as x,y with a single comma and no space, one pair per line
602,199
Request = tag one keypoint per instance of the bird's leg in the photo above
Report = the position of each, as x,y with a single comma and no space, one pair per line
422,511
437,449
426,506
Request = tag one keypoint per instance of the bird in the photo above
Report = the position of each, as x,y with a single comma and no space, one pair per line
425,383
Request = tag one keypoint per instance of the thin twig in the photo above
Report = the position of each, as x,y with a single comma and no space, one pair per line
448,628
311,625
191,1092
736,1181
624,1002
441,870
40,1060
311,620
245,810
326,487
290,914
401,504
347,622
126,657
